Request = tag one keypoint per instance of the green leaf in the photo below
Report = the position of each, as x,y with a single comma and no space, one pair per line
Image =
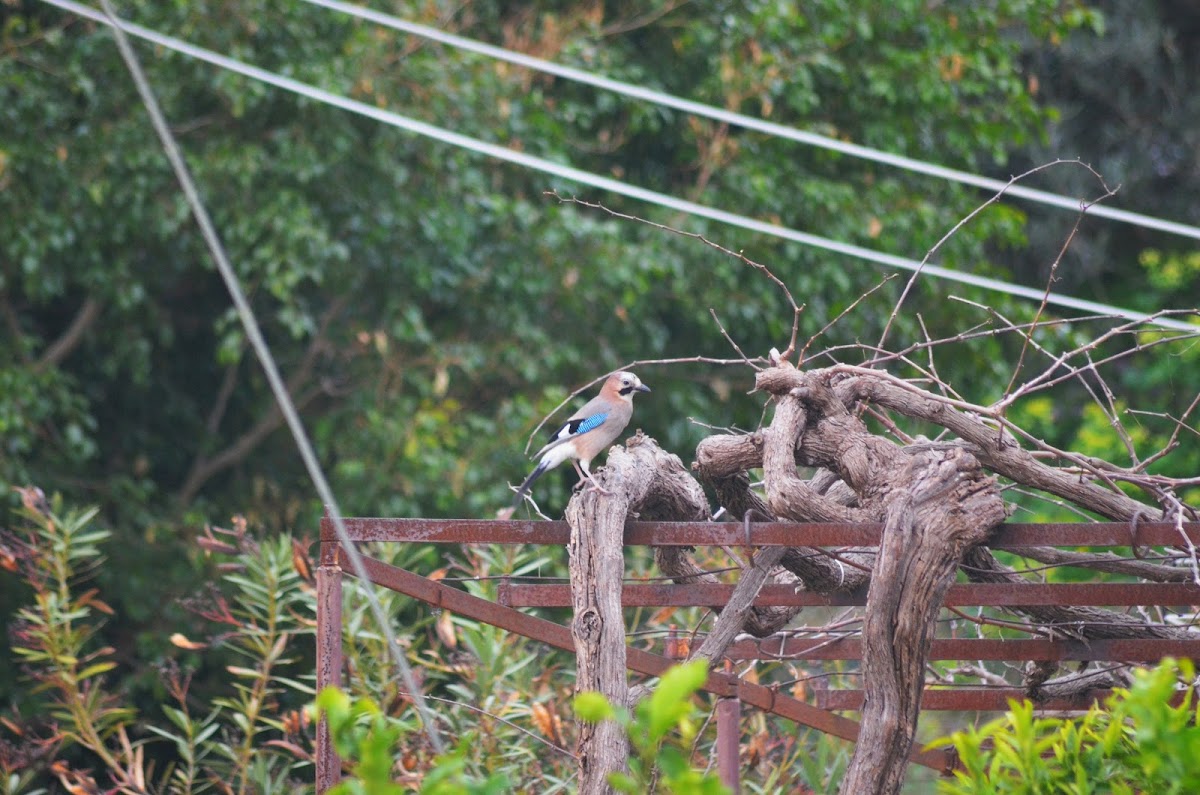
671,699
593,707
623,782
96,668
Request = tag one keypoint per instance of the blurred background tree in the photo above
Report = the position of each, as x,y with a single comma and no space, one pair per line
429,306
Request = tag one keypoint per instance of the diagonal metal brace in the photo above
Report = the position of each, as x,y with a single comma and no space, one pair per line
643,662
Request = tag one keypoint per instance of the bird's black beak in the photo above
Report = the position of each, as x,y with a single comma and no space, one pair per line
642,388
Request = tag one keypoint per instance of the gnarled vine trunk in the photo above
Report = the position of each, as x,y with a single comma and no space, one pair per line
938,502
639,479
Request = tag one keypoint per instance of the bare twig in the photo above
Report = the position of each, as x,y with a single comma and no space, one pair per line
1050,279
69,340
967,219
738,255
729,339
853,305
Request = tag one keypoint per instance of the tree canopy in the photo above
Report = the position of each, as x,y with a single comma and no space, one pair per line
429,306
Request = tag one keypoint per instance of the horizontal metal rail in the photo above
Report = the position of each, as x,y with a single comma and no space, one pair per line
515,593
763,534
1110,594
782,647
972,699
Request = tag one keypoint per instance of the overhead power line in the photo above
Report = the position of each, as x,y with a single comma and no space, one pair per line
752,123
267,360
609,184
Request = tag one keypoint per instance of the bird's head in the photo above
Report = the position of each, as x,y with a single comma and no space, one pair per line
624,385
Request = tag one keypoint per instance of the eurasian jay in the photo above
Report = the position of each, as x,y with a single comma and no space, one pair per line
587,432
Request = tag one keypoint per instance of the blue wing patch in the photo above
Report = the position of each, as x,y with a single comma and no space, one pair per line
588,423
579,426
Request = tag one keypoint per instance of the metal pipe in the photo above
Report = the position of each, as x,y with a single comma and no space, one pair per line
762,534
729,735
329,658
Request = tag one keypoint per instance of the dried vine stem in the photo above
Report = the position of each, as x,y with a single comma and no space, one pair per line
937,499
796,308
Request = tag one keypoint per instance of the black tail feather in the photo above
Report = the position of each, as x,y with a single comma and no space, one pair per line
534,475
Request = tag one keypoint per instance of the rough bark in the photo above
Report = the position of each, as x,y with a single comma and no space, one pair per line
640,479
1078,685
722,461
676,563
999,452
597,566
937,504
1107,562
942,504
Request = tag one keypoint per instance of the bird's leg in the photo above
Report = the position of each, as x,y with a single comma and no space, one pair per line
587,473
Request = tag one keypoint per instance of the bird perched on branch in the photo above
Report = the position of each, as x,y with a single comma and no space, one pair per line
587,432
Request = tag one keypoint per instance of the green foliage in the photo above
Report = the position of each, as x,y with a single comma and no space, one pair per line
667,709
1137,742
246,738
54,636
404,285
230,711
428,307
812,759
369,740
1170,270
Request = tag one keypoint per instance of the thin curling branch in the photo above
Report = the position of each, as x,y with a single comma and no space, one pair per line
966,220
738,255
1050,278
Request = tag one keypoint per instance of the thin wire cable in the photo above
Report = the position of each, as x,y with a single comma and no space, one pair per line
750,122
254,333
612,185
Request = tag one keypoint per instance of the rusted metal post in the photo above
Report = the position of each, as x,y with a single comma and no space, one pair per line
329,656
672,650
729,735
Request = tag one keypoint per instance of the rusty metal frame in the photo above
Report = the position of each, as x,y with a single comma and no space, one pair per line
730,689
760,534
972,699
517,594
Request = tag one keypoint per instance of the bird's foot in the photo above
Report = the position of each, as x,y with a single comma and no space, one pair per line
596,487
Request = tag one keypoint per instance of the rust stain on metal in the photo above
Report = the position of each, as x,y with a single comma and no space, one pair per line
513,594
729,736
471,531
1132,650
961,595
